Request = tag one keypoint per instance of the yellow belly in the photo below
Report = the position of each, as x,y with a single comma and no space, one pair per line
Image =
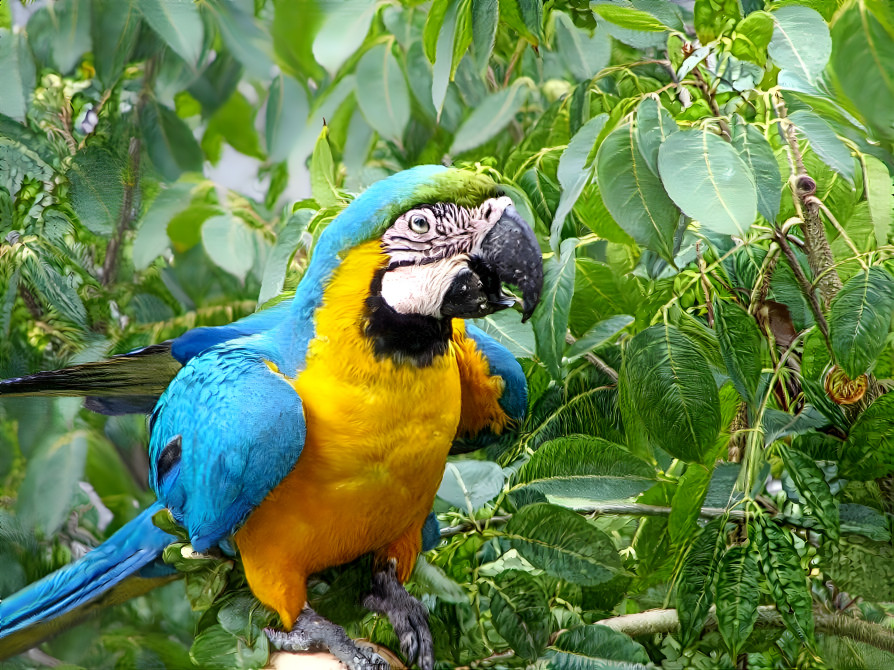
378,434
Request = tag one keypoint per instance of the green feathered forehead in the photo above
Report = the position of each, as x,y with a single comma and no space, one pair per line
462,187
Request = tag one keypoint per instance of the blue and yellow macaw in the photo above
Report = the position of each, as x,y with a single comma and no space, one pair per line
317,432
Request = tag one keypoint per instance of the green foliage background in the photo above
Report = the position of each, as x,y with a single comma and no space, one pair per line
712,190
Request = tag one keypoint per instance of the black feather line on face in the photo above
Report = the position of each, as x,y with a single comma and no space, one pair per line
413,338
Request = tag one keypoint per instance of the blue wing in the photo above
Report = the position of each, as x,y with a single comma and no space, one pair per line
514,400
223,435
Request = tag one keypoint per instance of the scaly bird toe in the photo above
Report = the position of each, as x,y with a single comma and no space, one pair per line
311,631
408,616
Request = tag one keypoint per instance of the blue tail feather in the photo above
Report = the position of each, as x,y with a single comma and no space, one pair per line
136,545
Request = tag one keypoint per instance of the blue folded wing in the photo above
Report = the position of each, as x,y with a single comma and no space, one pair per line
224,434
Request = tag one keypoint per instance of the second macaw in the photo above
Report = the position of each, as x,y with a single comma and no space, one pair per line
322,435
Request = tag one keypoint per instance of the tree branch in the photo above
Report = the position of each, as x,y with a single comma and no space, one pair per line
840,625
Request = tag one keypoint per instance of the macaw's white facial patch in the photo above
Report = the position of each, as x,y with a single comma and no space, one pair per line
420,289
432,232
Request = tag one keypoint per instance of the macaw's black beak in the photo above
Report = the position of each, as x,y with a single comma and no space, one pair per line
508,254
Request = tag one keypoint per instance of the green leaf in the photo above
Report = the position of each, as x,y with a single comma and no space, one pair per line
580,466
752,37
687,503
654,124
287,243
322,172
342,33
440,28
813,489
234,121
17,76
51,483
706,178
550,319
152,233
434,580
70,21
525,17
469,484
520,612
824,142
713,18
672,390
738,594
115,28
695,583
583,54
507,329
243,37
862,62
382,92
756,152
485,17
97,191
178,23
859,320
800,42
57,291
287,111
230,243
633,195
169,141
741,345
869,450
589,647
785,576
294,27
216,649
574,172
599,334
879,196
630,18
563,544
490,117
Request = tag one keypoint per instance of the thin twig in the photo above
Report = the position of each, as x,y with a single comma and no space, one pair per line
804,283
594,360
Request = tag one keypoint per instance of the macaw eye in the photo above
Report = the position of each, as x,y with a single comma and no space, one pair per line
419,224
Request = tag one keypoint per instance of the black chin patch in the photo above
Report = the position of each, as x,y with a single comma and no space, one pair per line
466,297
404,337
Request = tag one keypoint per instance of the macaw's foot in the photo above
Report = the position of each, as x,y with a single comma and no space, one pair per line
311,631
408,616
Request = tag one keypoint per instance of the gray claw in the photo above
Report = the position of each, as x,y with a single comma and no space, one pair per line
408,616
311,631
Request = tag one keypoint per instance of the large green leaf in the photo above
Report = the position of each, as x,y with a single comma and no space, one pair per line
671,388
97,189
860,318
686,505
469,484
51,482
551,316
758,155
17,76
287,243
654,124
862,63
520,612
824,142
596,647
813,489
869,450
563,544
880,196
634,195
178,23
706,178
583,54
382,92
343,31
230,243
738,593
152,234
287,110
507,329
695,583
490,117
169,141
575,171
601,333
115,28
630,18
785,576
217,649
800,42
581,466
741,345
